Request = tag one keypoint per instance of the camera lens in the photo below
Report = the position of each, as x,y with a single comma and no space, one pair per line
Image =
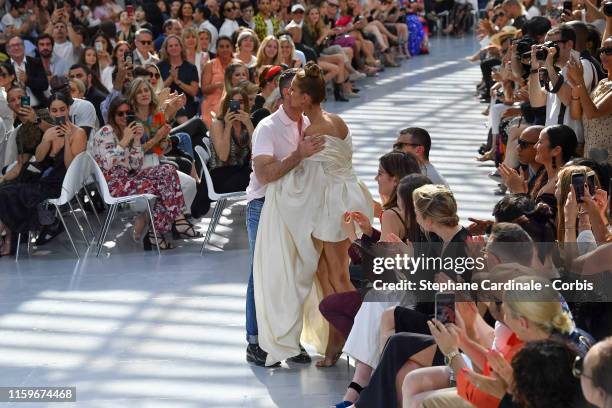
607,8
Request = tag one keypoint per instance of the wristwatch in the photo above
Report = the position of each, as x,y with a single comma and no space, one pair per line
448,358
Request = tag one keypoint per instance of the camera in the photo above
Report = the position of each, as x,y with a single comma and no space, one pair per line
542,51
523,47
607,8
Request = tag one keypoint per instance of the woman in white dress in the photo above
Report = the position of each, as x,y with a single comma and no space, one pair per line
300,235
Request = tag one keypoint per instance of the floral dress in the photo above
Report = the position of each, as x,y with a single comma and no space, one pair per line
123,171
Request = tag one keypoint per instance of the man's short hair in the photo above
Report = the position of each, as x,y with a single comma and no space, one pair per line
285,79
44,36
82,66
512,206
567,33
245,5
420,136
144,31
536,27
511,244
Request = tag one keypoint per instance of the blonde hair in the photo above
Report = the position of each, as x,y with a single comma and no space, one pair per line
133,91
261,53
541,307
163,52
288,40
190,31
565,182
436,202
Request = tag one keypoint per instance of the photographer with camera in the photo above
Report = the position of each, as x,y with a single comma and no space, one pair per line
555,88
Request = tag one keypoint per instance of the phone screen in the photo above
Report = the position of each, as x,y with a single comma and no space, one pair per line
578,183
130,10
445,308
591,183
567,5
25,101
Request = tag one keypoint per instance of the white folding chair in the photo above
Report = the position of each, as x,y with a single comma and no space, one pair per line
221,199
114,202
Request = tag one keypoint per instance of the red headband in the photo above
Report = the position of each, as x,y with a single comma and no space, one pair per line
273,71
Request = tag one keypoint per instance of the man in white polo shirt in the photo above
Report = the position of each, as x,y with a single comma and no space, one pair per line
278,147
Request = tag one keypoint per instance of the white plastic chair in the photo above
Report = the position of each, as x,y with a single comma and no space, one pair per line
75,178
76,174
220,198
114,202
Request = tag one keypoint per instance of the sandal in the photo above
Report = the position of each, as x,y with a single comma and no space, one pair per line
329,362
487,156
346,403
189,232
148,242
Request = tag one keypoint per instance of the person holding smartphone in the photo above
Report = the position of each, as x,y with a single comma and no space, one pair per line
19,200
230,164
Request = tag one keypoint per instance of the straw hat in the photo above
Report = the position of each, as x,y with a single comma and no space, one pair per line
506,32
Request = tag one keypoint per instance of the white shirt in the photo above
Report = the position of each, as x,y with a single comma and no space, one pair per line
270,26
228,28
277,136
430,171
293,23
553,103
82,113
9,20
214,34
22,67
64,51
533,12
107,77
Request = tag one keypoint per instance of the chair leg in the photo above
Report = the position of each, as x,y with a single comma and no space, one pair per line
106,227
153,226
81,229
59,214
93,207
219,207
17,248
93,234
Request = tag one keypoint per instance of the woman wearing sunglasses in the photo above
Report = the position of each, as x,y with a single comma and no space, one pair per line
154,76
595,109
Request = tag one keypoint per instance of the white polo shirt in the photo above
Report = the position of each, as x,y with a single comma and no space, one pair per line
278,136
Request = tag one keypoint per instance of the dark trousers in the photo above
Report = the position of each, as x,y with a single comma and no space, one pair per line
487,72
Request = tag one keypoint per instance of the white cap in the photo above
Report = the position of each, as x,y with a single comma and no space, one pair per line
297,7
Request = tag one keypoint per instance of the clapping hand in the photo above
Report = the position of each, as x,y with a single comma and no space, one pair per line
348,226
515,181
494,386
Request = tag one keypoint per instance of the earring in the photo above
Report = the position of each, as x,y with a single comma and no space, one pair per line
554,162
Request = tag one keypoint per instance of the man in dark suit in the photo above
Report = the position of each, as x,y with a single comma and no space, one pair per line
30,72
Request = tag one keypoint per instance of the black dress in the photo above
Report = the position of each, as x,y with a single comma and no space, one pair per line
19,199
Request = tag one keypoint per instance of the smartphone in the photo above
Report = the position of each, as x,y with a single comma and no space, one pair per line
567,5
445,307
578,183
25,100
234,106
99,46
591,182
60,4
127,57
130,10
130,118
59,121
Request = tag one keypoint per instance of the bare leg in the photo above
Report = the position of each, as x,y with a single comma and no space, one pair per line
362,375
331,71
336,255
417,384
406,369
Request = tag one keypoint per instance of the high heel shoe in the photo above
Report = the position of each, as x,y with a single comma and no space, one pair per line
148,242
490,155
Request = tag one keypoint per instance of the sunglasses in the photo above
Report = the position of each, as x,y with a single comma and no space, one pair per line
578,368
606,50
154,75
3,74
229,9
122,113
332,5
400,145
523,144
145,42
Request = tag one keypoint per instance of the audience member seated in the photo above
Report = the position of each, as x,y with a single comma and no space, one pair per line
20,198
213,78
418,142
229,164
